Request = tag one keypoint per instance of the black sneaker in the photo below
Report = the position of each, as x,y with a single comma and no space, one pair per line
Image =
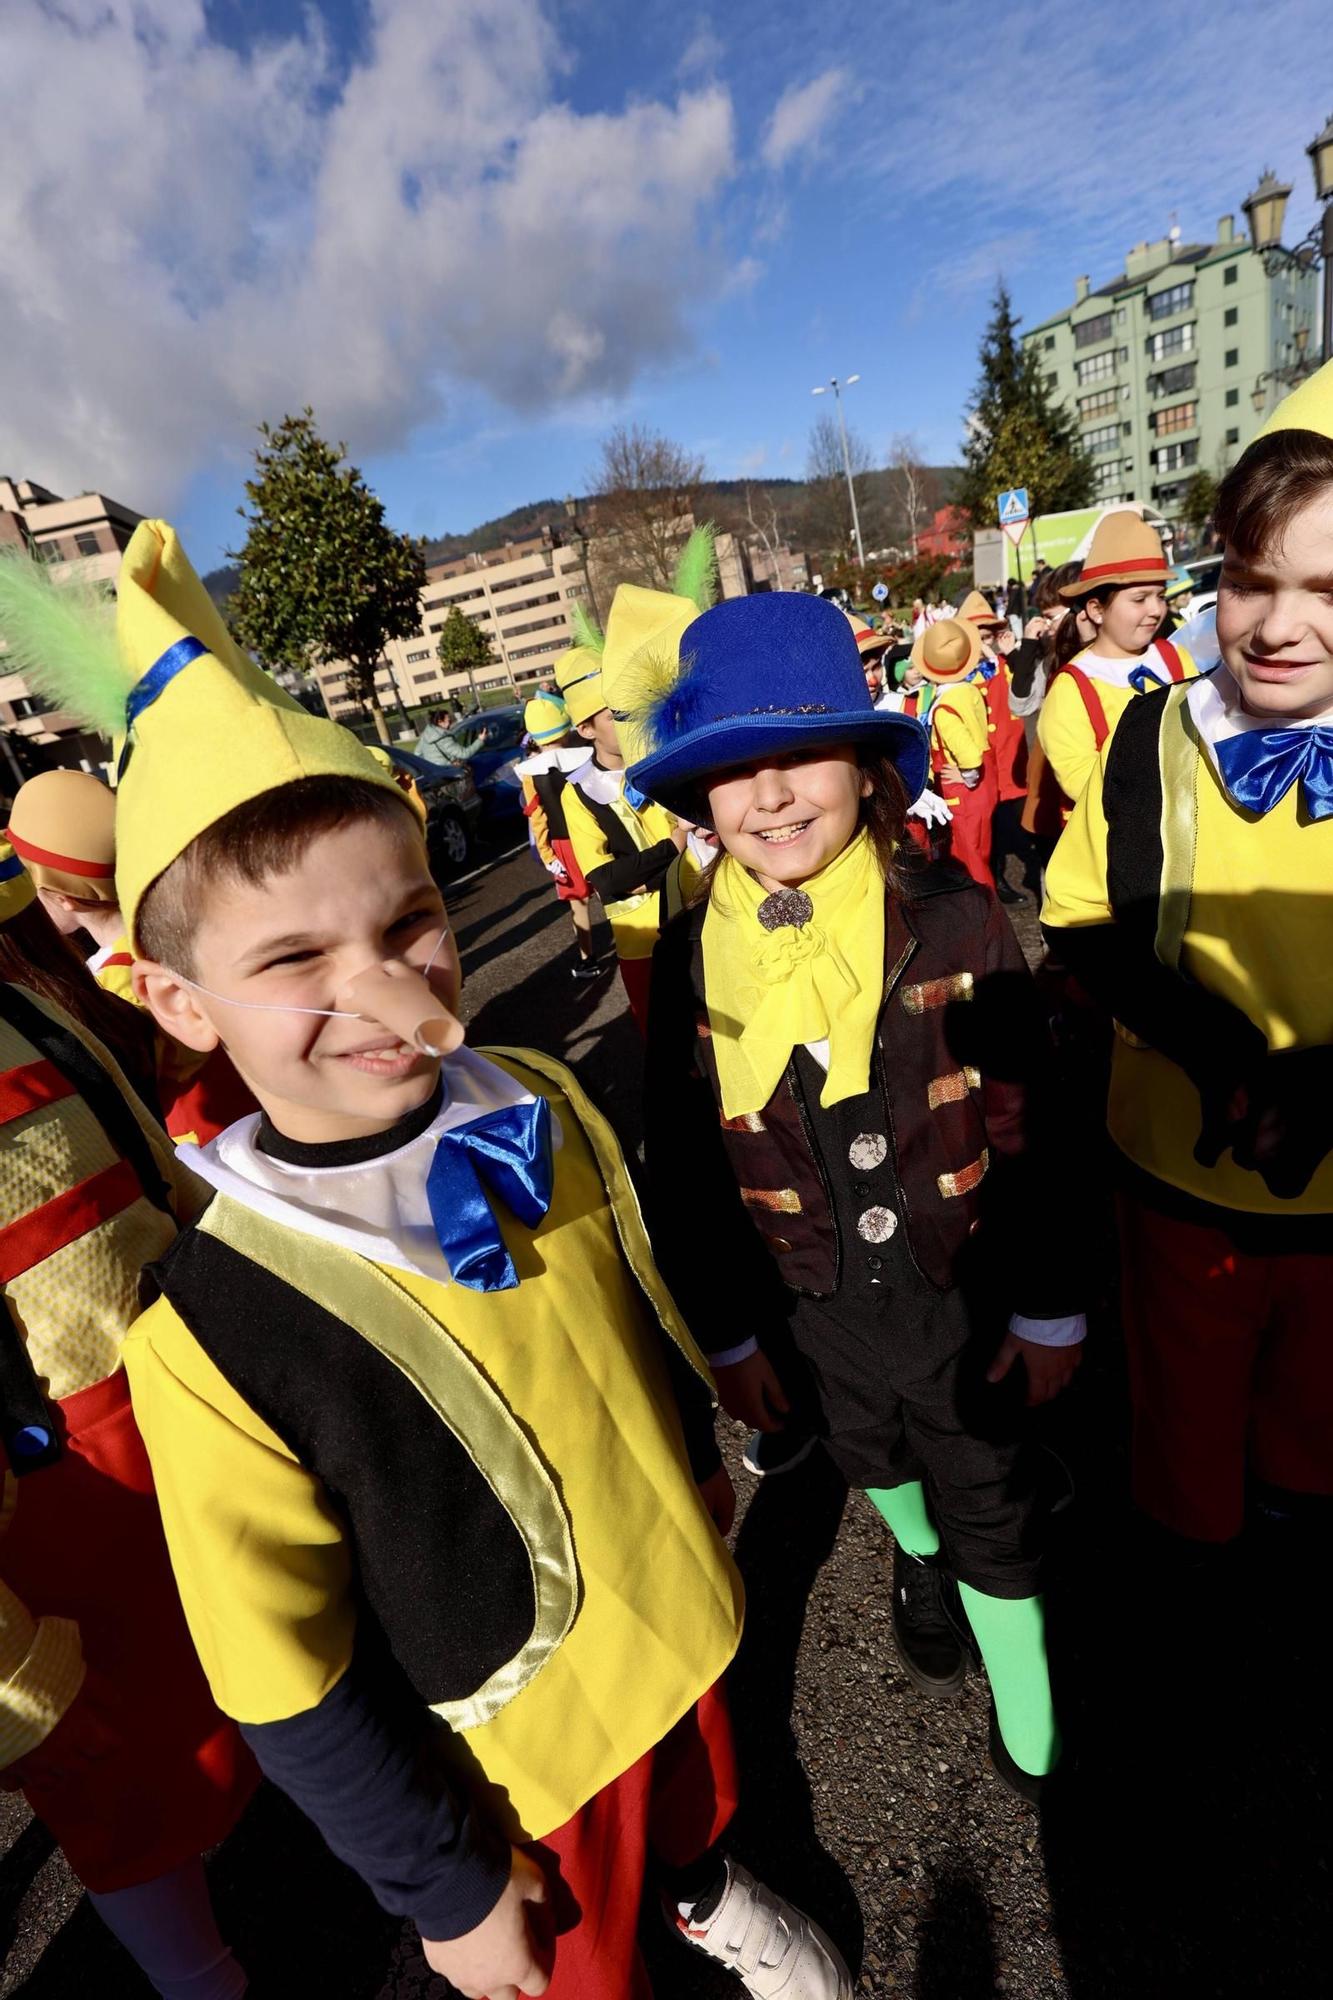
1007,893
772,1452
1022,1784
930,1650
587,970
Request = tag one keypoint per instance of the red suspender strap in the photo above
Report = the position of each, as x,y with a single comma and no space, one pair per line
29,1087
1171,659
1092,702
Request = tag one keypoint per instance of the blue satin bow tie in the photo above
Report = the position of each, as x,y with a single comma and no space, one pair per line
634,797
1261,765
505,1153
1142,678
985,670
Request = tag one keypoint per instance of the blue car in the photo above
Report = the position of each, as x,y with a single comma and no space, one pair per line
493,766
453,808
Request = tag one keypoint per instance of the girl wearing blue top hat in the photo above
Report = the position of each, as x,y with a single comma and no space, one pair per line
847,1114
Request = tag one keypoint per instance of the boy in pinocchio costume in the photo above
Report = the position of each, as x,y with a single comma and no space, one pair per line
106,1722
633,854
542,777
432,1445
1190,894
953,709
1122,592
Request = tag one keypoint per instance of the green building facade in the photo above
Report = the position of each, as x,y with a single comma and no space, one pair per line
1169,367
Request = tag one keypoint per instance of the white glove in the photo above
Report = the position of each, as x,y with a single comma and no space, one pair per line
931,808
558,869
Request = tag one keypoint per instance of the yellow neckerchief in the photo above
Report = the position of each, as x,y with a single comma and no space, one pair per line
768,992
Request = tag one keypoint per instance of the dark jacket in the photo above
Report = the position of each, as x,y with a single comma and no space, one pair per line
740,1209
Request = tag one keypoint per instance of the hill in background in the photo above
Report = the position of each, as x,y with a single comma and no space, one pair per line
809,515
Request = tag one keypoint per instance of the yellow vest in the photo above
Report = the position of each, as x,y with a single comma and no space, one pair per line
559,1393
635,920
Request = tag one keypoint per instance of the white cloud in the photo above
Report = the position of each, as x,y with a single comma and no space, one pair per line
193,239
801,114
703,52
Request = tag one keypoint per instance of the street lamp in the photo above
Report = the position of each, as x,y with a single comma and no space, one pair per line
1265,211
580,535
837,389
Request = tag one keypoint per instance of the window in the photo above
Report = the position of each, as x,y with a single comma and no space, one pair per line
1233,397
1172,380
1098,368
87,545
1105,439
1232,273
1175,340
1230,316
1052,378
1233,437
424,680
1120,315
1089,331
1100,405
1171,457
413,659
1180,417
575,590
1049,343
1233,356
1175,299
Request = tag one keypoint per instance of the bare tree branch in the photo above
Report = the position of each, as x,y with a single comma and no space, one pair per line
645,486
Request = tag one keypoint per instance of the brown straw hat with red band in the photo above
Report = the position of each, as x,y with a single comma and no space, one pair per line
975,610
947,651
867,641
63,829
1125,550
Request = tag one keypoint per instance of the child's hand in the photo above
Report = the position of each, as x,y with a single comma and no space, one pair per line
751,1392
1048,1369
500,1959
719,1497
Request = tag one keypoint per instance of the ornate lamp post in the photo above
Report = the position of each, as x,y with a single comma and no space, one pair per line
579,536
1265,211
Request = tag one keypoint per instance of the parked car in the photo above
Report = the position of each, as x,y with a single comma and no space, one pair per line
493,766
453,807
1207,574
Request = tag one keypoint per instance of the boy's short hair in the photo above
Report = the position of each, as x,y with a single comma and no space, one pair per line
265,836
1265,491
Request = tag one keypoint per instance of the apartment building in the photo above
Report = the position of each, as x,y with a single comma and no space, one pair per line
83,538
1172,366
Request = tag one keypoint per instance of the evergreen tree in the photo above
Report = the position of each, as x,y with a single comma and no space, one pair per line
322,577
1016,436
463,648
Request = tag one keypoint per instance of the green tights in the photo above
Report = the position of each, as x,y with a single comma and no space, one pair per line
1011,1632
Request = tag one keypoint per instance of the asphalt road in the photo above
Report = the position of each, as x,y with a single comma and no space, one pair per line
1184,1854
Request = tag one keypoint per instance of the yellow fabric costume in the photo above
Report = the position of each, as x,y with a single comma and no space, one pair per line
1064,730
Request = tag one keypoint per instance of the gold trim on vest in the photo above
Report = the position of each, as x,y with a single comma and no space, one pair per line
773,1201
953,1088
963,1182
938,992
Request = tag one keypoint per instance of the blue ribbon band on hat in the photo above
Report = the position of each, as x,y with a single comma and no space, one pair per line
591,675
1260,766
506,1153
10,868
1142,678
159,676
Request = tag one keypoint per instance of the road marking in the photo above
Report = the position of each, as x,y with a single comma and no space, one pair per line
457,881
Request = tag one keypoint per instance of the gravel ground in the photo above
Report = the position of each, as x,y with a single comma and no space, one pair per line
1185,1852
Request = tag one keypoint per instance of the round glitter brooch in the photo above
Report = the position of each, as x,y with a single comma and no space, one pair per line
786,907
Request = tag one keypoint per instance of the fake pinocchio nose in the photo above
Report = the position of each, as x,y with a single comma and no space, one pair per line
404,1003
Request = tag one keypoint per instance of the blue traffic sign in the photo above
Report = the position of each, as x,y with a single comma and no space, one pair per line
880,593
1014,505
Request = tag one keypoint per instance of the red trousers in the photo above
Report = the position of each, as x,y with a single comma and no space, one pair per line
673,1804
970,829
86,1543
1231,1365
637,974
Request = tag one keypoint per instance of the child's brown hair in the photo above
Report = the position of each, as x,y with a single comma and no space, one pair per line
265,836
1264,492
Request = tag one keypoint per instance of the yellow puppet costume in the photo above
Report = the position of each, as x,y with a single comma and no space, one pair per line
416,1427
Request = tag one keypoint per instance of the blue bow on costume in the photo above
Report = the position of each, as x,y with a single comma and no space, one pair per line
1142,678
985,670
505,1153
634,797
1260,766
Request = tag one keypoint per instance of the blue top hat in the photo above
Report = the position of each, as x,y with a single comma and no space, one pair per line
762,677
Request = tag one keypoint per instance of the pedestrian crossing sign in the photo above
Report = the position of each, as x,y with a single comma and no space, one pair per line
1013,506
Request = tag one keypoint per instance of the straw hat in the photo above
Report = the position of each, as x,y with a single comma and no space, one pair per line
975,610
1124,550
867,642
63,828
947,651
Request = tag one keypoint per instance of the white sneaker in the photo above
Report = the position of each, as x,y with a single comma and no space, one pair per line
775,1951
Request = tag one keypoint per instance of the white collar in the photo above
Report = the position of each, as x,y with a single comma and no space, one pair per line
603,787
378,1209
542,761
1116,673
1218,714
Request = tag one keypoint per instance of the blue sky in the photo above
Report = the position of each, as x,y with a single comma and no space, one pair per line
475,233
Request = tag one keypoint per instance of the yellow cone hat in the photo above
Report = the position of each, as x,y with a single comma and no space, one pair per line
578,675
1307,408
546,719
644,631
